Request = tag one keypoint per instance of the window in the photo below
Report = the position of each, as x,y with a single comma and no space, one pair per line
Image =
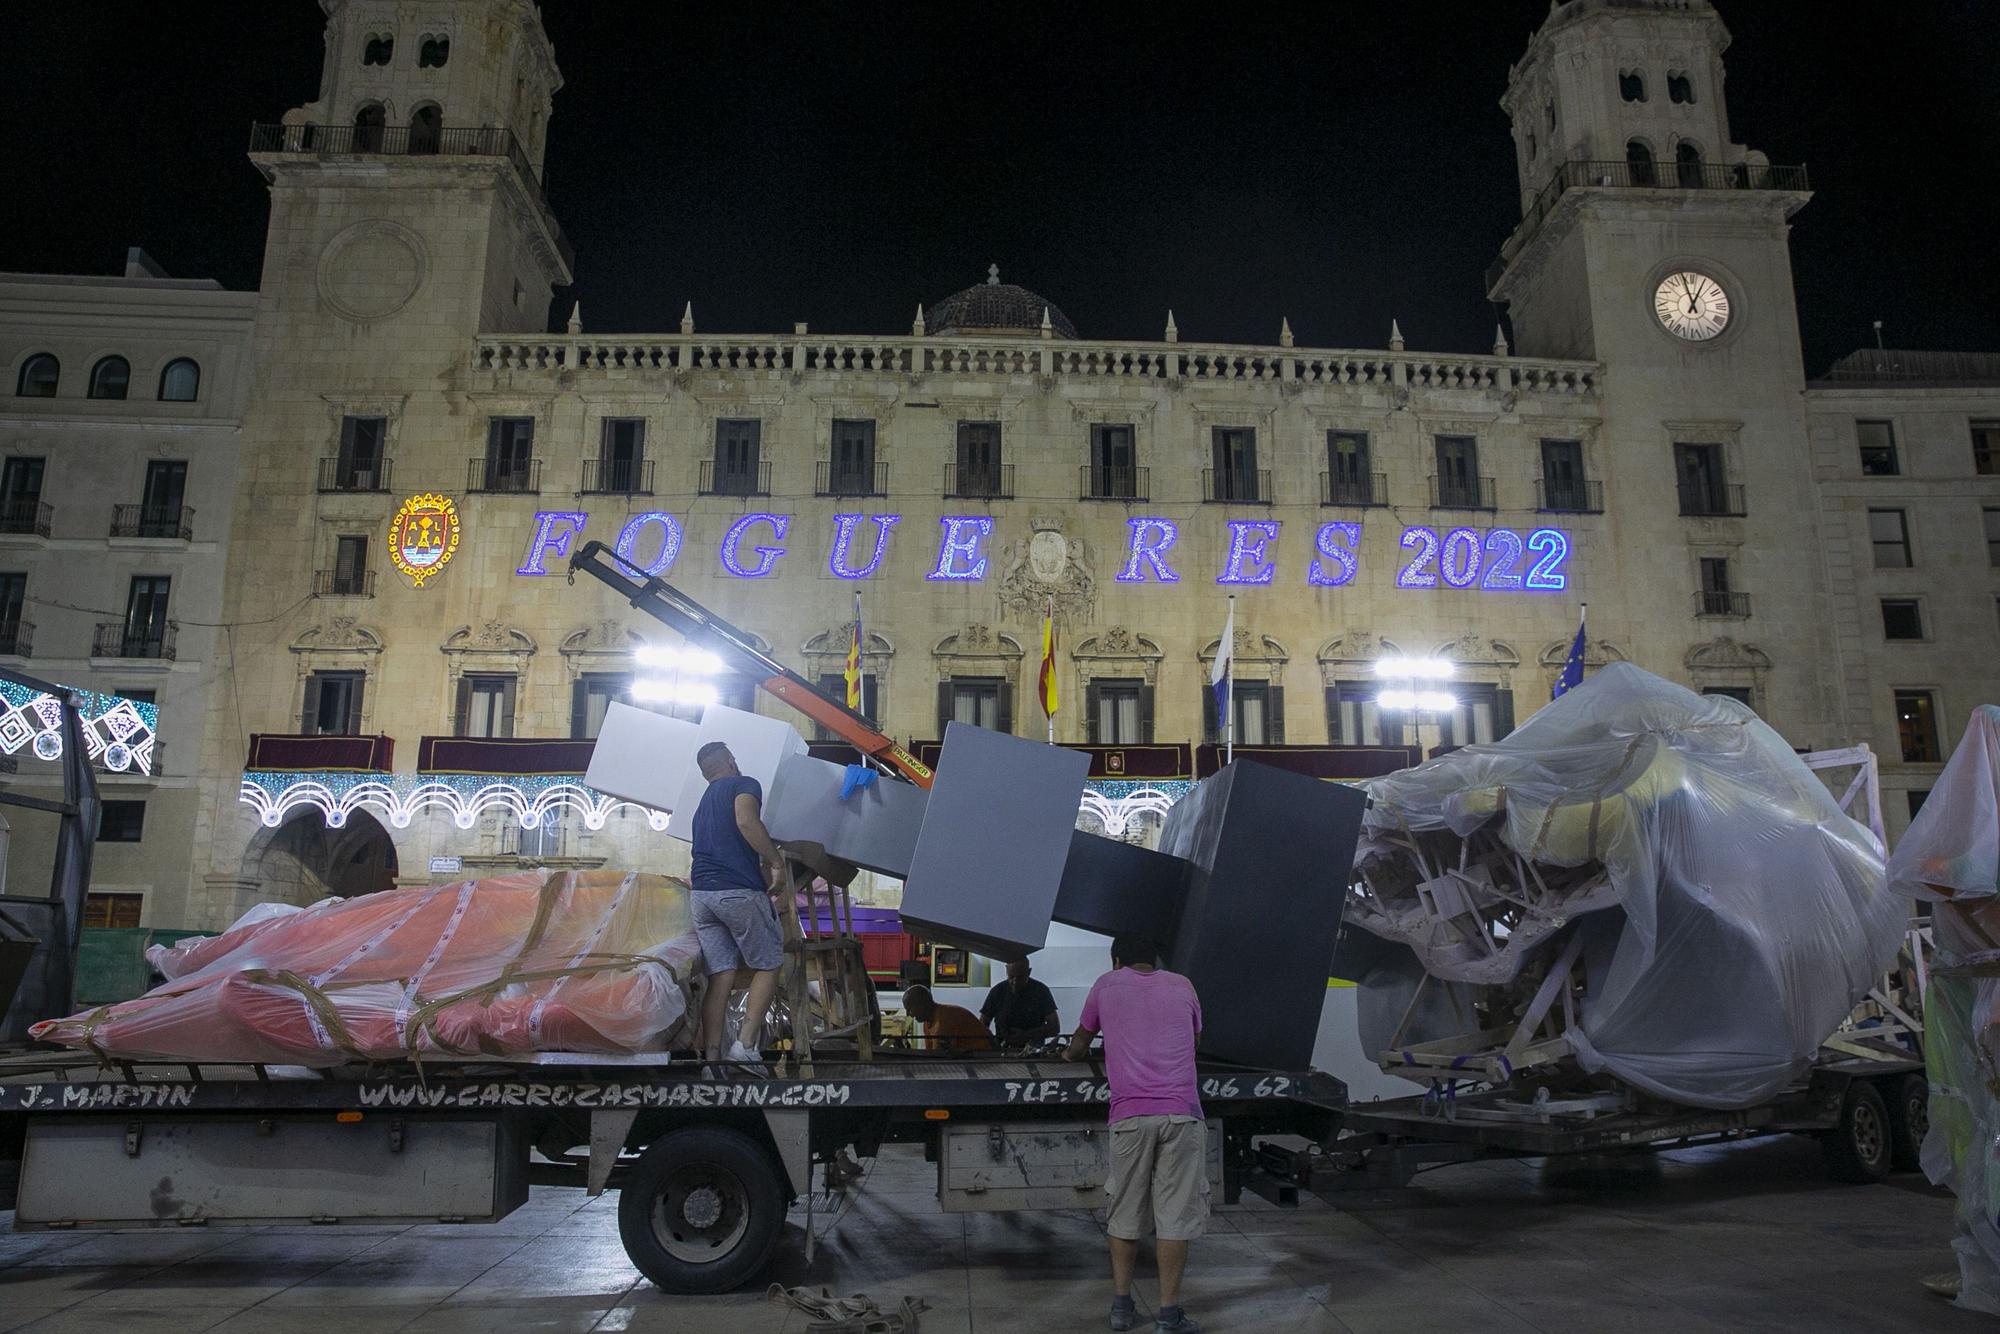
110,378
145,630
510,455
1889,533
1352,718
1114,463
835,684
1902,618
349,576
545,840
851,464
1741,694
1916,726
1260,714
180,381
434,52
1991,518
1350,480
1483,713
378,50
368,123
591,696
485,705
983,701
1234,451
1986,447
1457,481
1687,165
112,910
360,464
1916,796
332,704
39,374
981,469
1701,480
1631,85
621,458
1878,448
1717,597
426,129
160,506
121,821
1679,88
13,597
1564,489
1639,162
1118,712
21,496
738,463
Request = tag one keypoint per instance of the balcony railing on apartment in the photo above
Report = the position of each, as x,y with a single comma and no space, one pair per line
337,474
847,479
752,479
1095,482
1712,602
152,521
343,583
1368,488
29,517
1462,493
1721,500
1569,497
617,477
992,483
17,638
502,478
116,639
1236,486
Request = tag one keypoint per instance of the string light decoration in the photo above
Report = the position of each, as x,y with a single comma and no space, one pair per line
118,733
1116,802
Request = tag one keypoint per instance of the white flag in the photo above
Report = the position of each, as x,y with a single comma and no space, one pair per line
1218,675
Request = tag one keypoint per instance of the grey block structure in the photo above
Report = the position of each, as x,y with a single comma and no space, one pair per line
1109,887
875,828
995,836
1269,855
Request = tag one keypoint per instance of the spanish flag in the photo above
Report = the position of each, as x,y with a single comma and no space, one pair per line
1047,678
851,673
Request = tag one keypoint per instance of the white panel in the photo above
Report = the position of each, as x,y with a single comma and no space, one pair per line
641,756
758,744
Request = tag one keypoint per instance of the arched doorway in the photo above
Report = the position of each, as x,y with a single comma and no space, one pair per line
1639,161
1687,162
368,123
426,129
304,860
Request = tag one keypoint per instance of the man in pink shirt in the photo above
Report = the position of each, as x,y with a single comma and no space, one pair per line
1151,1021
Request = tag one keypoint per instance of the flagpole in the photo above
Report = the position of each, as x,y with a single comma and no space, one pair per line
1229,690
1050,620
860,678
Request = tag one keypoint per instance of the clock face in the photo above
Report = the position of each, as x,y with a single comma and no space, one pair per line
1691,305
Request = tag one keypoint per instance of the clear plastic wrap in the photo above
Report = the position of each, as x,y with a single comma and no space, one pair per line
596,962
1731,915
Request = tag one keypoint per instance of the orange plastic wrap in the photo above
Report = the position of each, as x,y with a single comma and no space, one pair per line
587,961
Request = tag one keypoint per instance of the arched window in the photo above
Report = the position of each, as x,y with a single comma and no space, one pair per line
368,123
1687,163
1639,162
433,53
39,374
110,378
1679,87
1631,85
379,50
180,382
426,129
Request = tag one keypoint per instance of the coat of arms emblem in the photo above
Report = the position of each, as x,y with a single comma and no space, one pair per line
423,536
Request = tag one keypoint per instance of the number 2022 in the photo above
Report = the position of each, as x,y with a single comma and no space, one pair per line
1466,558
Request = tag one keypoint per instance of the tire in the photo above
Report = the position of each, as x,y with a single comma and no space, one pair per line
1909,1100
1858,1149
701,1210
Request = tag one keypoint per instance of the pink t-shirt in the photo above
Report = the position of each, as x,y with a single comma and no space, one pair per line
1149,1022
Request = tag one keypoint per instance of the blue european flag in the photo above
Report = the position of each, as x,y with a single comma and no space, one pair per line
1572,673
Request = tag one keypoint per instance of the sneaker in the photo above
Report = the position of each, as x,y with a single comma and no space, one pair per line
1173,1320
742,1054
1124,1314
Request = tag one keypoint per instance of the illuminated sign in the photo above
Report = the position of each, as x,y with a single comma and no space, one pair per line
1488,560
423,536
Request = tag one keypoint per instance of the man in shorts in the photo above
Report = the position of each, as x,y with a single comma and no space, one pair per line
735,864
1151,1021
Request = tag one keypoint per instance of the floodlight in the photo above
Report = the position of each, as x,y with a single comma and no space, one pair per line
1415,669
655,689
677,658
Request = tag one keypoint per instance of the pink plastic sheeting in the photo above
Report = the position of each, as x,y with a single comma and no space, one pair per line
543,961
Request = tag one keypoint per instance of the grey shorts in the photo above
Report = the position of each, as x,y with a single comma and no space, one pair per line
738,929
1159,1178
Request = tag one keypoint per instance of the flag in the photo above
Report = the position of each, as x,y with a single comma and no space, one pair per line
1218,675
1572,673
1046,681
851,673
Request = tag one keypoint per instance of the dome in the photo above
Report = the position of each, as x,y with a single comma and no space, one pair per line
994,307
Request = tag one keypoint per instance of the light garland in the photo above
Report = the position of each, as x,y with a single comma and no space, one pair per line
1116,802
118,733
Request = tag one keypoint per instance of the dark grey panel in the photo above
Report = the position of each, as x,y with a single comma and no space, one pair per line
1109,887
875,828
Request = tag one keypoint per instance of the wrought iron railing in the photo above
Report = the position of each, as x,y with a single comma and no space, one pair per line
617,477
17,638
337,474
1461,493
29,517
748,479
1236,486
1096,482
1368,488
174,522
1577,497
994,482
1700,500
118,639
850,479
504,476
343,583
1715,602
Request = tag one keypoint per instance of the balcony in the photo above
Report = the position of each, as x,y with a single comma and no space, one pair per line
617,477
850,479
1462,493
1236,486
336,474
1362,489
749,479
408,141
116,639
17,639
343,583
1568,497
1717,604
994,482
503,478
174,524
1711,501
1100,483
297,752
28,518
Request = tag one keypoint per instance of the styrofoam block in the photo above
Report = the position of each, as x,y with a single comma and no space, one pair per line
875,828
758,743
641,756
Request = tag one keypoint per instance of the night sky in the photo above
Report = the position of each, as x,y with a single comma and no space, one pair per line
1337,164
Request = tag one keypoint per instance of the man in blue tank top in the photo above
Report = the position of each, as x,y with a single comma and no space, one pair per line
734,866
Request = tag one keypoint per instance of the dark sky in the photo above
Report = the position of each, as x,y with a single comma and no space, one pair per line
1339,164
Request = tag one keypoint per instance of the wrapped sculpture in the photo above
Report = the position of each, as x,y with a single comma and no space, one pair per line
1638,882
597,962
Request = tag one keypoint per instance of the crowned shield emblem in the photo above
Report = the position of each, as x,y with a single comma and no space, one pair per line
423,536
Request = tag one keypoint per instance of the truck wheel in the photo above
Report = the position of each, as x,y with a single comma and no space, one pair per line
701,1210
1909,1100
1858,1149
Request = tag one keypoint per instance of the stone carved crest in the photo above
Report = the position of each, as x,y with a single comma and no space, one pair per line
1472,648
1048,566
1596,652
494,637
1358,646
1116,639
1724,652
341,634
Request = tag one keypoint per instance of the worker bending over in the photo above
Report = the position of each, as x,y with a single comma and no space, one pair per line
1151,1021
947,1028
1020,1009
735,866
